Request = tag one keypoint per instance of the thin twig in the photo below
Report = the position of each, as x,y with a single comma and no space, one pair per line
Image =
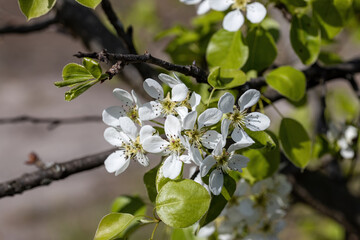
189,70
56,172
22,29
52,122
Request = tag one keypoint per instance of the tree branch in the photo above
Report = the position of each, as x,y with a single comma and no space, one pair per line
22,29
52,122
55,172
189,70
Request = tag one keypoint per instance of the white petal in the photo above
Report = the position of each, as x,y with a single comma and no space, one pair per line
150,110
128,127
169,80
225,123
209,117
194,101
190,2
347,153
206,231
342,143
182,111
233,21
154,144
145,132
237,162
189,120
142,159
219,148
113,137
172,167
203,8
124,96
153,88
255,12
210,139
111,115
135,98
226,103
185,159
242,189
220,5
239,145
195,155
116,161
179,93
172,127
257,121
246,207
248,99
206,165
239,135
216,181
350,133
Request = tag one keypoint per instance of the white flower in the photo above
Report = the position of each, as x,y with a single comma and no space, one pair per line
175,104
174,147
129,108
239,118
346,142
129,141
197,133
203,5
222,160
255,12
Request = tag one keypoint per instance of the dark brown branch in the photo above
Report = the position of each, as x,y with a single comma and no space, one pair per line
22,29
56,172
119,28
52,122
189,70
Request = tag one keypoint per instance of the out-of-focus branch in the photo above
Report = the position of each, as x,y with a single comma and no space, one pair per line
51,122
119,28
189,70
22,29
55,172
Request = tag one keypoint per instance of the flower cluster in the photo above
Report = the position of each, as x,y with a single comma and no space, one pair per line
344,137
233,20
188,137
254,212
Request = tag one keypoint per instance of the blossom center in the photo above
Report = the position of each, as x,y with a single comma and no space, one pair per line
237,117
194,136
223,158
175,145
168,106
240,4
133,114
133,148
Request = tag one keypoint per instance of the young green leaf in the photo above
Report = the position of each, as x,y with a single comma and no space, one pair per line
262,139
288,81
78,90
184,233
113,224
129,204
295,142
150,182
227,50
262,49
76,72
36,8
226,78
305,38
181,204
93,67
89,3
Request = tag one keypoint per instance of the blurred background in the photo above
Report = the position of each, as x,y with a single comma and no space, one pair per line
72,208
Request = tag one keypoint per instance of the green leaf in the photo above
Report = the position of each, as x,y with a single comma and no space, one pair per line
184,234
329,58
181,204
129,204
331,15
263,164
342,105
288,81
76,72
113,224
89,3
77,91
36,8
262,139
227,50
150,182
226,78
262,49
272,27
218,202
295,142
93,67
305,38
